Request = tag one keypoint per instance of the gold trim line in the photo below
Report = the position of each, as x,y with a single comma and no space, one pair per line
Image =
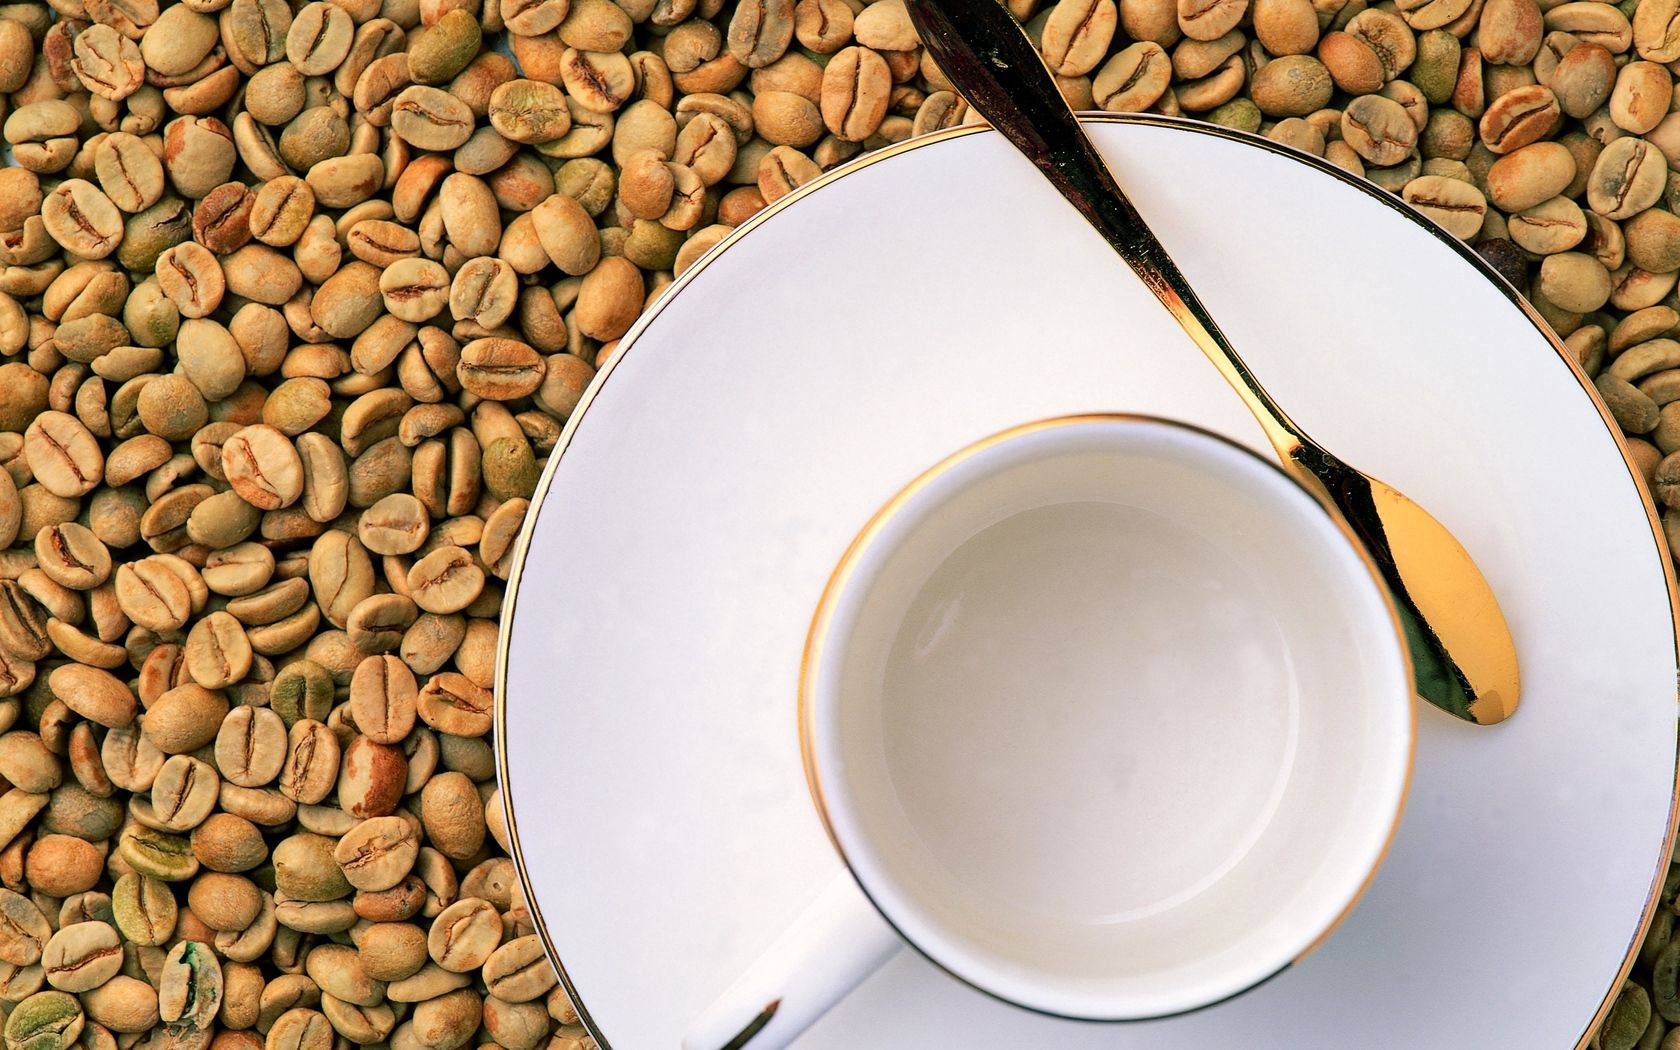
843,570
627,343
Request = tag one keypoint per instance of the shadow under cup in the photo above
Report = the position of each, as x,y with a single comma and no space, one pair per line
1109,718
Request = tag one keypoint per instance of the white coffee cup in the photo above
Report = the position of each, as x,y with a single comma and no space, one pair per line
1106,716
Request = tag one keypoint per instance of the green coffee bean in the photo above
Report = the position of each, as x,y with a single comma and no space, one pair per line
45,1021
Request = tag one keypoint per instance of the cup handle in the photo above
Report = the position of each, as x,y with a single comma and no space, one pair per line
831,947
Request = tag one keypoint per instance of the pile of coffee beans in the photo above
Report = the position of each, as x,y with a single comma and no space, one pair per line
295,298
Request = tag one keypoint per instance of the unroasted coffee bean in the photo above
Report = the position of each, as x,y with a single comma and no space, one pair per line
1633,410
1656,30
484,292
415,290
448,1019
49,1020
1629,177
123,1004
1549,227
41,134
383,694
1378,129
305,870
1583,79
198,154
533,17
130,759
251,746
24,931
96,695
465,935
241,569
787,119
300,1028
340,573
1629,1017
318,38
1510,32
446,48
79,216
597,81
72,556
372,778
392,951
341,182
397,524
446,580
378,853
184,793
856,88
222,220
157,854
108,63
1458,206
609,299
1640,99
499,369
1134,79
82,956
1519,117
1294,86
62,865
430,118
144,910
185,718
190,986
226,843
1592,23
302,689
337,969
63,455
378,622
1574,281
567,234
347,302
280,210
783,170
707,147
311,766
529,111
453,703
1530,175
263,467
518,971
192,278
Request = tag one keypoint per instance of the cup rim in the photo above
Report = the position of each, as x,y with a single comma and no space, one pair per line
848,563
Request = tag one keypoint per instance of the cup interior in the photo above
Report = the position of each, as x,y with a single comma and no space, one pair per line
1108,717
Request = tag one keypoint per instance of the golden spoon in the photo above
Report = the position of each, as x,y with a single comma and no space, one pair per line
1463,659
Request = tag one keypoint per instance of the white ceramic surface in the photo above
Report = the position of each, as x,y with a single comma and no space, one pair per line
1032,767
916,303
1030,760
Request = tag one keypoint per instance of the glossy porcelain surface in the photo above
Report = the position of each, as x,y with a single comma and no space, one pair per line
918,302
1108,717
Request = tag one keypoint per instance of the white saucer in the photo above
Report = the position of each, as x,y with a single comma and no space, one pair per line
937,292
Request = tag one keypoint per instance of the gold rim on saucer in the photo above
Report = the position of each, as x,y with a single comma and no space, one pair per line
627,343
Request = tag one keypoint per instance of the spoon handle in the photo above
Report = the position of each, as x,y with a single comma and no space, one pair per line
1463,658
982,49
